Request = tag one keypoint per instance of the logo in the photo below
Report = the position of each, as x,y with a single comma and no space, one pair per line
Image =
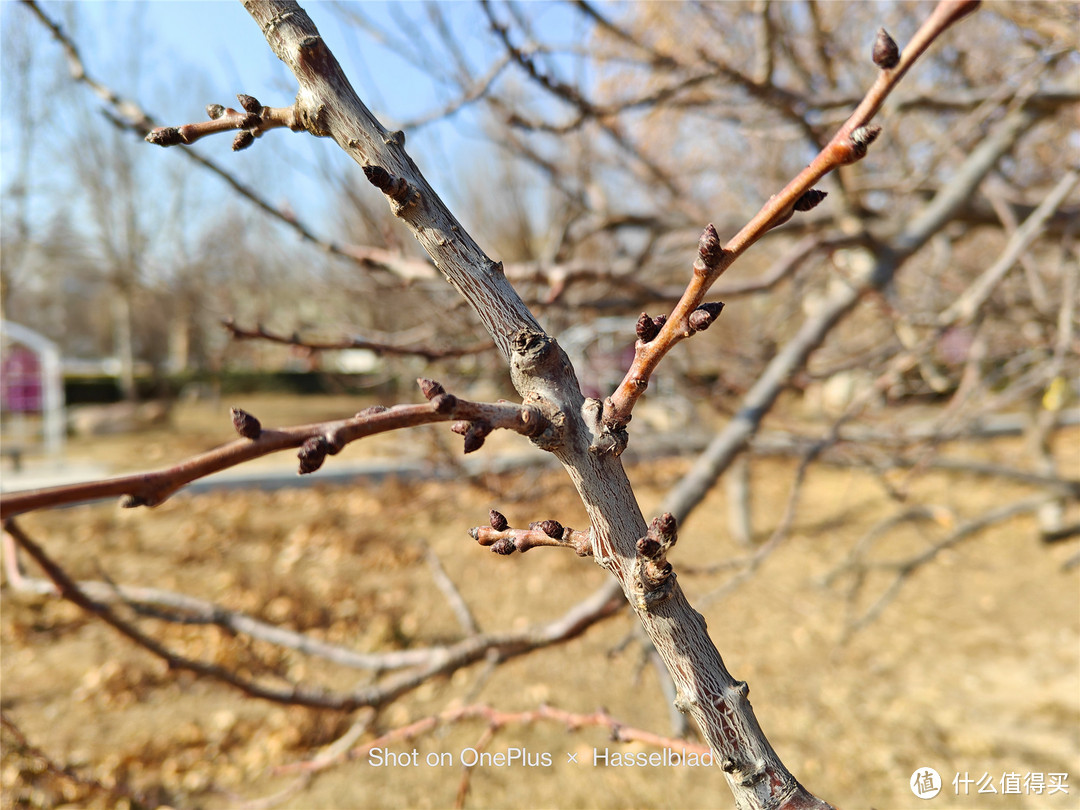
925,783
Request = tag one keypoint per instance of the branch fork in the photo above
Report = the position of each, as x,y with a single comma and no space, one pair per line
504,540
848,145
252,121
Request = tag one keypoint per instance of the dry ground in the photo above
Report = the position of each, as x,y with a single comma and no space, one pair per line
974,667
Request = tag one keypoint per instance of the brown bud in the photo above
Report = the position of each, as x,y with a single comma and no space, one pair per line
504,546
475,435
648,547
703,317
378,177
646,330
498,521
249,103
312,454
710,252
885,54
251,121
429,388
246,424
810,199
164,136
861,138
444,403
664,527
552,528
659,322
396,188
215,111
242,140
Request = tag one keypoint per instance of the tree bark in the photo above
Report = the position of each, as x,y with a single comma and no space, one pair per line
327,105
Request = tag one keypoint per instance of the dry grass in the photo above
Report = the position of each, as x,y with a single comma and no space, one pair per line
975,667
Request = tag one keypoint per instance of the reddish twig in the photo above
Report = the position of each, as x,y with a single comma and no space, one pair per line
315,442
504,540
253,121
847,146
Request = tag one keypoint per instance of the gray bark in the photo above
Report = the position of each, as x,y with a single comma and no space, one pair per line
328,105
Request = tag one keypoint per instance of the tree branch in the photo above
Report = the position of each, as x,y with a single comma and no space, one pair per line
474,420
380,348
848,145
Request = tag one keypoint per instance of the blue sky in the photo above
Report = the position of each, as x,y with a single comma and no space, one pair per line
188,53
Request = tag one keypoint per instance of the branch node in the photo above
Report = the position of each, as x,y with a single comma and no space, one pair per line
444,403
498,521
430,388
243,140
859,141
702,317
165,136
245,424
710,252
656,578
810,199
886,54
371,411
312,454
249,103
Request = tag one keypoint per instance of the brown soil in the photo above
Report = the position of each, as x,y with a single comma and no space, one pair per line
974,667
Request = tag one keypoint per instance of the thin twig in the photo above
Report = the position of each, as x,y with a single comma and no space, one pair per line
380,348
315,441
847,146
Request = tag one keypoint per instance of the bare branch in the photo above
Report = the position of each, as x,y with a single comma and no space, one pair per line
315,441
252,122
965,307
427,352
848,145
504,540
731,440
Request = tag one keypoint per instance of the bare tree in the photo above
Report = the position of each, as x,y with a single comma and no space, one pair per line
589,435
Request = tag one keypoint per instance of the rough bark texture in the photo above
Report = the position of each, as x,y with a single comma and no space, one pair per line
541,372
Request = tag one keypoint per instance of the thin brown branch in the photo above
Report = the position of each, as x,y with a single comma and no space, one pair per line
254,120
504,540
316,441
848,145
380,348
